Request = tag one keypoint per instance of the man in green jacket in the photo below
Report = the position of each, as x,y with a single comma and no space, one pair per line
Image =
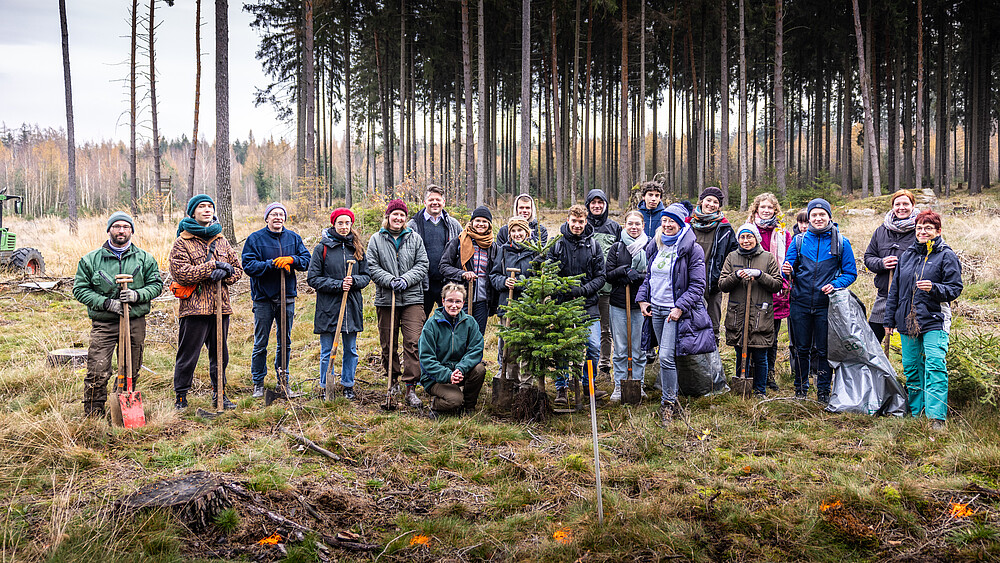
95,287
451,355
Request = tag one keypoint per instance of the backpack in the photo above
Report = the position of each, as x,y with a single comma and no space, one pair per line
798,248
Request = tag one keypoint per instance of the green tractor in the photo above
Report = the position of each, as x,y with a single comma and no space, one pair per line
27,260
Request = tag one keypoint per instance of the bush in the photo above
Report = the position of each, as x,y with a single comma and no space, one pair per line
974,367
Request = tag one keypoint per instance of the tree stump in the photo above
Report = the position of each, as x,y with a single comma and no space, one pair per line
76,357
196,499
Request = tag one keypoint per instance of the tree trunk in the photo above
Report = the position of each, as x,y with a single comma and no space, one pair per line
556,118
525,180
197,97
919,180
623,154
224,203
866,99
482,129
133,189
348,176
780,150
309,72
403,129
846,181
743,111
575,85
724,98
641,106
70,126
152,107
470,157
941,137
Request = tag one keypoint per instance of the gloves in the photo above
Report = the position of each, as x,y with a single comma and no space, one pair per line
635,275
114,306
283,262
225,267
218,274
128,296
576,292
398,284
752,272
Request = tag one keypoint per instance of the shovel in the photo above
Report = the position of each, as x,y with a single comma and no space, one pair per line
281,388
631,389
742,386
390,405
219,342
328,395
504,385
130,402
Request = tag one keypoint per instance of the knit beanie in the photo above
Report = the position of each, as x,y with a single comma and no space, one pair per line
341,211
821,204
271,207
712,191
120,216
396,205
750,228
484,212
194,201
518,222
676,212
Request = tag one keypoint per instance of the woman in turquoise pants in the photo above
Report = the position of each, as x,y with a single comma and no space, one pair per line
927,278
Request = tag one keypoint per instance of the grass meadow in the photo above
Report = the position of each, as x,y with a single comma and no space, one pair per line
734,480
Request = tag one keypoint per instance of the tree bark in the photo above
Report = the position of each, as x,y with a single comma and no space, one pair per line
743,110
470,157
780,151
152,106
348,176
224,203
481,132
70,126
724,98
623,155
556,117
403,153
866,99
641,106
197,97
309,71
919,179
133,189
525,180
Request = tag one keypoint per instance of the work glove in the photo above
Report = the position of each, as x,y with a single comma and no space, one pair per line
128,296
752,272
635,275
219,274
398,284
283,262
114,306
226,267
576,291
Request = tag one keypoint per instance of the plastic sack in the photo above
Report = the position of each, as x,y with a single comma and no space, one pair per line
700,374
863,379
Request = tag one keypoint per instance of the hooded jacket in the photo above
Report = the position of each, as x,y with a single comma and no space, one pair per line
510,255
942,267
761,330
651,218
886,243
723,242
606,231
389,259
95,280
326,276
447,344
618,268
817,266
260,248
580,254
695,334
538,232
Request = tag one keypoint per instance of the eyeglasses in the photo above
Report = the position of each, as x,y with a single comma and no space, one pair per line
121,227
926,228
455,301
276,214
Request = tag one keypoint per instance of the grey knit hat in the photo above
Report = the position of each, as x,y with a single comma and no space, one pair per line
120,216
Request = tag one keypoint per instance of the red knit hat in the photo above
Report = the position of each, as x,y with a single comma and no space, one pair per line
341,211
394,205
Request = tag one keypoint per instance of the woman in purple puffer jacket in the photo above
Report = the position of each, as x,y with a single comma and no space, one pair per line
673,295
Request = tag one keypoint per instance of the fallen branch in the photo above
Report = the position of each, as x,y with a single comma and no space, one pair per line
329,540
310,444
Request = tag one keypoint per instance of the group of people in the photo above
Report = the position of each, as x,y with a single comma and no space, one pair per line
437,283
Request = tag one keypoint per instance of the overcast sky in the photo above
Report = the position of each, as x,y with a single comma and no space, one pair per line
31,75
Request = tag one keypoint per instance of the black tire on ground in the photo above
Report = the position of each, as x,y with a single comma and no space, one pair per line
28,260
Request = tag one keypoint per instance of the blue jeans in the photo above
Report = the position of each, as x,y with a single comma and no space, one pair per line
593,353
758,365
810,329
619,334
666,334
349,365
265,315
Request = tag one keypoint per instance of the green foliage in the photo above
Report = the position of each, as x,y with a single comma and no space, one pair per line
974,366
821,186
546,330
263,182
227,521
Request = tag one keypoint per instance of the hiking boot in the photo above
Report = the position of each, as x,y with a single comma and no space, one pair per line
226,403
181,402
93,411
938,424
616,395
598,394
349,393
772,384
258,391
823,398
433,414
561,400
800,395
666,413
411,397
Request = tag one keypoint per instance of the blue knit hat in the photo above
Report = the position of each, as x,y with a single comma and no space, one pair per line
120,216
193,203
676,212
821,204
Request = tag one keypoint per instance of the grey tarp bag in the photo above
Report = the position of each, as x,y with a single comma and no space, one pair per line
863,379
700,374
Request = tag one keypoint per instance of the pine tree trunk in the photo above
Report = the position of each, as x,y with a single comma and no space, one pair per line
224,203
70,125
866,99
743,111
724,98
575,85
846,170
470,157
152,106
780,154
556,117
482,129
641,106
623,167
197,97
525,179
348,175
133,189
919,180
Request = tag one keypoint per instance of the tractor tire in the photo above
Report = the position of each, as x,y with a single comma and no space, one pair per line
28,260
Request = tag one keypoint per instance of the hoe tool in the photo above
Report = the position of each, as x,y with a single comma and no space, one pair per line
390,405
328,394
742,386
220,341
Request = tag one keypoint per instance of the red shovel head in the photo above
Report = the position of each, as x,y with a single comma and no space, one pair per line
133,415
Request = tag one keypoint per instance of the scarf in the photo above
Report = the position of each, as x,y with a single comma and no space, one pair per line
897,225
670,240
834,236
767,223
197,229
119,251
468,237
705,221
637,248
752,252
778,246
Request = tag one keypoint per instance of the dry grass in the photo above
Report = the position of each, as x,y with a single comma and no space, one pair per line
478,488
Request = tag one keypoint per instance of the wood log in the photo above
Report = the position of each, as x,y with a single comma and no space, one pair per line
310,444
196,499
76,357
329,540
